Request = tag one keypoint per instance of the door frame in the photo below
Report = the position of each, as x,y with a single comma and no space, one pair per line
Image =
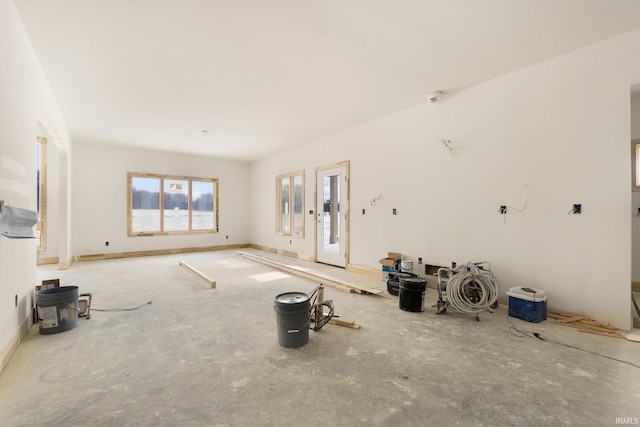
347,210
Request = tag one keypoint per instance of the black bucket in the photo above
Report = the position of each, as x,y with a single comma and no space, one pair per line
412,290
57,309
292,319
393,284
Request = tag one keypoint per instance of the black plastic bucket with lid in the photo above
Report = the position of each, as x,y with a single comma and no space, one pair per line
412,290
393,284
292,319
57,309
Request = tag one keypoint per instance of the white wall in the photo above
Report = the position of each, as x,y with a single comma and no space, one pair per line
25,99
561,127
100,198
635,221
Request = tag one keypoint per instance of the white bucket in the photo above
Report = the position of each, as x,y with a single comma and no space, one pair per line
406,266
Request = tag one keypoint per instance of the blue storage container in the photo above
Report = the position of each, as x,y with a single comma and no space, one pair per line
527,304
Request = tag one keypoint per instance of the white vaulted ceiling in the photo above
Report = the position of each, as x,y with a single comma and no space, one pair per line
264,75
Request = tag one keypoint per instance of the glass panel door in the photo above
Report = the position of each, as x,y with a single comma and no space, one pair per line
331,216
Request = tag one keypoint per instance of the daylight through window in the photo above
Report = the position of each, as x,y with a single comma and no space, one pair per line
290,202
171,205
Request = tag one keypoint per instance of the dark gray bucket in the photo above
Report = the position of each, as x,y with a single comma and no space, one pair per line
292,319
412,290
57,309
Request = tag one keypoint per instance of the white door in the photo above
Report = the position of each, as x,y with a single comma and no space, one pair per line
331,216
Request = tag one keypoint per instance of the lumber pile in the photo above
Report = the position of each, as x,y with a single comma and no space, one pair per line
584,324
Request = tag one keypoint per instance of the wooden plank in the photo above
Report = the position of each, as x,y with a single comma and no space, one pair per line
341,322
635,286
198,273
572,319
295,271
559,315
312,275
613,334
589,327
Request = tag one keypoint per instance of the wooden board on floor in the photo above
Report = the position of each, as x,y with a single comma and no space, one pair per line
583,323
633,335
313,275
605,334
198,273
340,322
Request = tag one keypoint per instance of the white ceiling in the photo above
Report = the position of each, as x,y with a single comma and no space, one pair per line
264,75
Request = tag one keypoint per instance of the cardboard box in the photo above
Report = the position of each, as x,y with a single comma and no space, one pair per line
393,258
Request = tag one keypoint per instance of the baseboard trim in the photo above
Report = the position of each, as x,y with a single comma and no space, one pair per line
291,254
14,342
154,252
49,260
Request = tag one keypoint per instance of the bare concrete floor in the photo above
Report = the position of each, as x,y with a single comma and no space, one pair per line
198,356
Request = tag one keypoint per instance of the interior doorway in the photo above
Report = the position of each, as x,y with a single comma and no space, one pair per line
332,214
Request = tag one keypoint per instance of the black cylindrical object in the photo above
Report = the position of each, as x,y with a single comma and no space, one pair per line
412,291
57,309
393,284
292,318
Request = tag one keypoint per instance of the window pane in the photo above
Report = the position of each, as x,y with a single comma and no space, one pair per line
202,211
285,206
298,205
176,205
145,204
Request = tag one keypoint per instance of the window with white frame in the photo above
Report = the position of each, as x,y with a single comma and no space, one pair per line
290,204
160,204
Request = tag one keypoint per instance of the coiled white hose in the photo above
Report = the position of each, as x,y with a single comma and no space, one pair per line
472,289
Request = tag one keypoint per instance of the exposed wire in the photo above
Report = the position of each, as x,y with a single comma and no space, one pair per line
322,319
526,199
530,334
121,309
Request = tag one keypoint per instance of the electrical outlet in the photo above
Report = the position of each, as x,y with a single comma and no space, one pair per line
106,243
503,210
419,260
577,208
363,211
395,211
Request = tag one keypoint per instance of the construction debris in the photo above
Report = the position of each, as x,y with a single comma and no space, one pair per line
585,324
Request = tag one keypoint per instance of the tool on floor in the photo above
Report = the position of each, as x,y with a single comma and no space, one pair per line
468,289
84,305
296,313
316,312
